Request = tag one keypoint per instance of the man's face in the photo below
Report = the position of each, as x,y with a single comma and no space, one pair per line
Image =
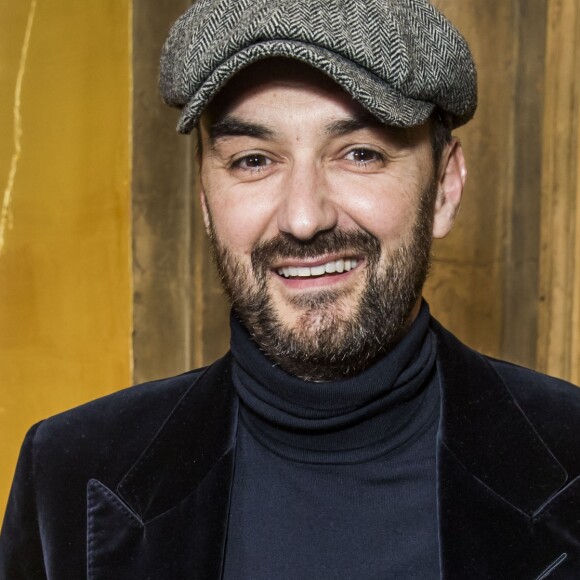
321,219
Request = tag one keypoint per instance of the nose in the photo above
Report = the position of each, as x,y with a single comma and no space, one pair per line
307,207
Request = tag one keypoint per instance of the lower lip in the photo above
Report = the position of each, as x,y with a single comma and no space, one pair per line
314,282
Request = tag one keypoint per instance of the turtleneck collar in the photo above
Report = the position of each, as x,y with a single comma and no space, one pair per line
344,421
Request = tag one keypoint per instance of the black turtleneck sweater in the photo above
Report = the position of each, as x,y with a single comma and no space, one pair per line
336,480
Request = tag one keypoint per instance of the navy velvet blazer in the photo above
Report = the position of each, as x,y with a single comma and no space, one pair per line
136,485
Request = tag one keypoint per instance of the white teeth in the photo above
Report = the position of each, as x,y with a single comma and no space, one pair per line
318,270
328,268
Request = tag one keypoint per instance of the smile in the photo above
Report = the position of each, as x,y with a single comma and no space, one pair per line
332,267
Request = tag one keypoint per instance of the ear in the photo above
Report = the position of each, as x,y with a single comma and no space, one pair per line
451,179
204,209
199,131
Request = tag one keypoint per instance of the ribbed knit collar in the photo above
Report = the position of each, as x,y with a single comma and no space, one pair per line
344,421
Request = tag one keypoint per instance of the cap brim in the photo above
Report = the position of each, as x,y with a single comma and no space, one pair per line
374,94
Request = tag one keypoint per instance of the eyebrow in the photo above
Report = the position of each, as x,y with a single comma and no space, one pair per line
230,126
362,121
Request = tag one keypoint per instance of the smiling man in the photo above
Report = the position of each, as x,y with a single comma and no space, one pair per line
321,217
347,434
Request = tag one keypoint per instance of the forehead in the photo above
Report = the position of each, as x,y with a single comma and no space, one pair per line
278,75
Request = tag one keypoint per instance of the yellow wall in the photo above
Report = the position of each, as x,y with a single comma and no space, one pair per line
65,286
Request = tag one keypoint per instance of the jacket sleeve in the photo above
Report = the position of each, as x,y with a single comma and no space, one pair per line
21,556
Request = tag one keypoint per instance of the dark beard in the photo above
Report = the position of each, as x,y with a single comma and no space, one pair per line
327,343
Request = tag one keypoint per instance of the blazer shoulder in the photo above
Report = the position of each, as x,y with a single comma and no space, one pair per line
532,387
552,406
523,383
101,440
129,405
105,436
539,392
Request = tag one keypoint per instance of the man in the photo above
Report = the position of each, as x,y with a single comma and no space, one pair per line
347,434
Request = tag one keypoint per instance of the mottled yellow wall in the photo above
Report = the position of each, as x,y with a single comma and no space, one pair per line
65,286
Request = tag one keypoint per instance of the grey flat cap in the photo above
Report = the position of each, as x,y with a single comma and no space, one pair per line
399,58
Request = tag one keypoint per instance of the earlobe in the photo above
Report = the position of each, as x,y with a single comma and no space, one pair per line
450,189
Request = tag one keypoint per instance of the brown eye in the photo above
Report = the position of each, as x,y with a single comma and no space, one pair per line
253,161
364,156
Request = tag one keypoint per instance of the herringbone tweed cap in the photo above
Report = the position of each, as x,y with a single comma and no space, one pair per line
399,58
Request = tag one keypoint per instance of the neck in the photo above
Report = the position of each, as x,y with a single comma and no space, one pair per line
344,420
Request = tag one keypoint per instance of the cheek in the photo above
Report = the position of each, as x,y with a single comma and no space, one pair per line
240,220
385,207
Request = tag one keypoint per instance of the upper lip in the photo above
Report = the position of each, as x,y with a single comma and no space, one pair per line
312,263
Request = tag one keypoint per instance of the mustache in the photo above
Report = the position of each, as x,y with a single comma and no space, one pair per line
286,246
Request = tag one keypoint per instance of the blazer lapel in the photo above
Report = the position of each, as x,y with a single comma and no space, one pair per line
495,475
168,517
